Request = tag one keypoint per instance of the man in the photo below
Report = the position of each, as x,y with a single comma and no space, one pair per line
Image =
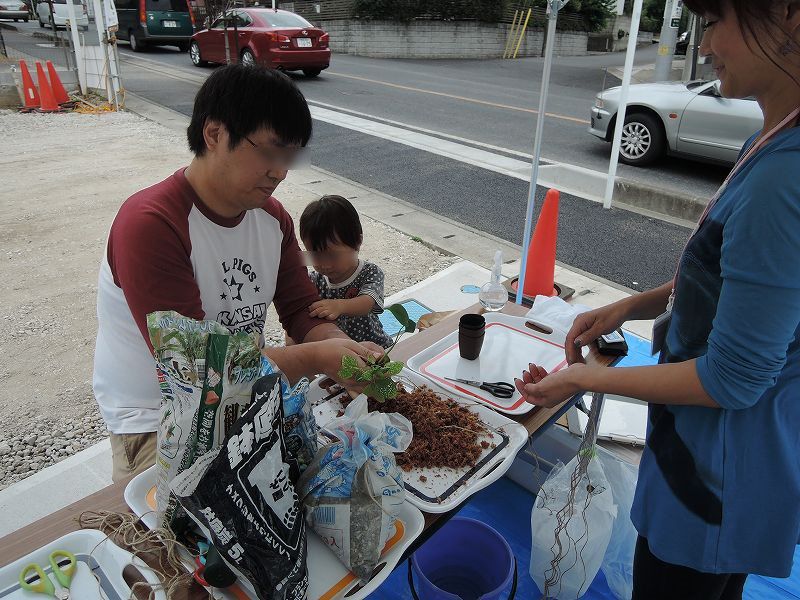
210,242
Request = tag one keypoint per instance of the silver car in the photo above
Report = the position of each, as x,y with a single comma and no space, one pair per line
13,9
687,119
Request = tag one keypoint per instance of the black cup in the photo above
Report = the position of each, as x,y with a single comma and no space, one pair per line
471,330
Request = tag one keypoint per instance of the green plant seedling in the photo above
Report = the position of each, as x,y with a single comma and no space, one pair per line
378,373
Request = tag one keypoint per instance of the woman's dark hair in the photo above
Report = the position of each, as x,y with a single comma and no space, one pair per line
754,17
330,220
246,98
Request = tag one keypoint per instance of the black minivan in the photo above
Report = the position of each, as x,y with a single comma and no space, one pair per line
155,23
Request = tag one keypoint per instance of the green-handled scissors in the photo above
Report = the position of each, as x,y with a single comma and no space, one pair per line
34,579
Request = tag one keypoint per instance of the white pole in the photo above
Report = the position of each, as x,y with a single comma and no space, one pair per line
102,36
623,103
553,6
77,47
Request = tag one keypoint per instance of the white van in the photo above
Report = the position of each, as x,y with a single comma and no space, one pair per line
61,16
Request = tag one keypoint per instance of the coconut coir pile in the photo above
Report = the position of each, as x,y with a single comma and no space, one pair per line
446,434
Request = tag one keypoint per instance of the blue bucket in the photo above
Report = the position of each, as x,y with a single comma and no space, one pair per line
464,560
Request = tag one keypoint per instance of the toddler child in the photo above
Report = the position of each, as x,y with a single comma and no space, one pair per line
351,289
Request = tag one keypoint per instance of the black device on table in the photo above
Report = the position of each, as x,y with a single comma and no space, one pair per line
612,344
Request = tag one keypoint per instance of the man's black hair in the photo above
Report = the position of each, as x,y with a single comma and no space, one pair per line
246,98
330,220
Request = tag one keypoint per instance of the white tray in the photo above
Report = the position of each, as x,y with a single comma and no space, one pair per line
443,489
100,566
508,347
328,578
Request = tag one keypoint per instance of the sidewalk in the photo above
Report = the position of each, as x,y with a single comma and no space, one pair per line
67,176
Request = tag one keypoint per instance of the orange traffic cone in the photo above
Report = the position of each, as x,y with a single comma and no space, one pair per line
55,84
29,90
541,265
49,103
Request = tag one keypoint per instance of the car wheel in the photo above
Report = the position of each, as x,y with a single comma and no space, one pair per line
183,46
25,20
194,54
136,44
311,72
643,140
248,58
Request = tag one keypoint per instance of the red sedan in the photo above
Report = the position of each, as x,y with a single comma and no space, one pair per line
278,39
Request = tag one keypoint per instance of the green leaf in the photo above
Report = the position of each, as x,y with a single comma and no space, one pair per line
364,375
349,367
384,388
402,317
393,368
371,392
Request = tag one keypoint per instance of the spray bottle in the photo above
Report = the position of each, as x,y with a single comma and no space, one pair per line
493,296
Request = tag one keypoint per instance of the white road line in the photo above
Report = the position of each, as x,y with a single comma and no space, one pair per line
474,156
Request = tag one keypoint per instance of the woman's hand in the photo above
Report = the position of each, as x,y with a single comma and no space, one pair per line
589,326
549,390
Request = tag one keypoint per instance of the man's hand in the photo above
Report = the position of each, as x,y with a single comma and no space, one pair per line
326,309
549,390
326,357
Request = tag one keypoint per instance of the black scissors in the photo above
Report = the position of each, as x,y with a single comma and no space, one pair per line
498,389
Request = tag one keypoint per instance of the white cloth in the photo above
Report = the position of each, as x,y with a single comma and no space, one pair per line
555,313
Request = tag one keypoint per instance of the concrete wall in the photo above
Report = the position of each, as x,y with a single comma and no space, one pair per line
440,39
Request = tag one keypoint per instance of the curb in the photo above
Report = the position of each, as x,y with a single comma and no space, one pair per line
628,194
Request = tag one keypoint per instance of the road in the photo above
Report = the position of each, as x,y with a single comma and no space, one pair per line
490,102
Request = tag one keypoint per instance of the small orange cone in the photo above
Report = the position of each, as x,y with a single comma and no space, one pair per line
55,84
29,90
49,103
541,265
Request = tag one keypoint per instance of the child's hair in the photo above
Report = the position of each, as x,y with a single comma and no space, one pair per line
330,220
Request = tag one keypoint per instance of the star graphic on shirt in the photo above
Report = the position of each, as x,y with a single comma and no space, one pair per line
223,296
234,287
256,289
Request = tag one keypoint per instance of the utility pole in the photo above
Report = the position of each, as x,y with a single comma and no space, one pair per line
669,35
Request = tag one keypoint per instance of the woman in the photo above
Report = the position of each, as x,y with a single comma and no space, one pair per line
718,495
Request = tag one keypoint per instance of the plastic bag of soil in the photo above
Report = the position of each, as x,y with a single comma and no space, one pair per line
206,376
353,489
299,426
240,496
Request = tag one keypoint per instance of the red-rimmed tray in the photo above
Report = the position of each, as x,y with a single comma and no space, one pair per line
510,344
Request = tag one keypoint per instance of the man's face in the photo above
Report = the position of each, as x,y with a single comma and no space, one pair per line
253,169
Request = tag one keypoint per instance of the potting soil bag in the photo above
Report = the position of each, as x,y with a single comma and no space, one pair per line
206,375
240,496
583,530
353,489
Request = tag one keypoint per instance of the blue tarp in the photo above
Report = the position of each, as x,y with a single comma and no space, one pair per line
507,507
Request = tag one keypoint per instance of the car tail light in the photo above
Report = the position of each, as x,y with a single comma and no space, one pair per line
278,37
142,15
324,39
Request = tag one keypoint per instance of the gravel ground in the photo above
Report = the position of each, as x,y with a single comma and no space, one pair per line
64,178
